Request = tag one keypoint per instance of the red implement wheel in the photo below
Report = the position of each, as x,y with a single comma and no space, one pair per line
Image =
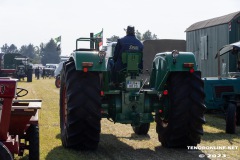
58,82
33,139
5,153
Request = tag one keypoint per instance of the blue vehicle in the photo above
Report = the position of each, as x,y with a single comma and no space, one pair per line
223,93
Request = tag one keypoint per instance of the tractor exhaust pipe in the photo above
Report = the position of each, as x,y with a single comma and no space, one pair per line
91,41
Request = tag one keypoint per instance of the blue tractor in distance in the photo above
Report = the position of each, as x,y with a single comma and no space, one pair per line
223,93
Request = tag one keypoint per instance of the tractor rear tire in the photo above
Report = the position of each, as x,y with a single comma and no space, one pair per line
5,154
58,82
80,108
238,116
33,138
29,75
186,113
142,129
231,119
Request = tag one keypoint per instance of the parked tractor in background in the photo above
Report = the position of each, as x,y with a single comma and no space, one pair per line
48,70
18,122
174,98
15,65
223,93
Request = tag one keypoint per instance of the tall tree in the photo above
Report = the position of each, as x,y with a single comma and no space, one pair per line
4,48
28,51
49,53
154,36
138,35
37,58
12,49
113,39
147,35
23,49
9,49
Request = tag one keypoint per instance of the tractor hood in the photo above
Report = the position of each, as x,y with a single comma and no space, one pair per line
93,60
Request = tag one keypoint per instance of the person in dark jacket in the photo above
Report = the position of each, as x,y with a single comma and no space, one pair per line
129,43
37,72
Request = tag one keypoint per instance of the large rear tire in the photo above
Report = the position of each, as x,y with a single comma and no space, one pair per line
238,116
5,154
33,138
231,119
186,115
80,108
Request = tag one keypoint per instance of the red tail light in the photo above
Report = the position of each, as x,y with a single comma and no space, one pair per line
160,111
165,92
191,70
85,70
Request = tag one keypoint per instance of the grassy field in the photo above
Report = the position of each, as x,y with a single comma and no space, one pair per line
118,142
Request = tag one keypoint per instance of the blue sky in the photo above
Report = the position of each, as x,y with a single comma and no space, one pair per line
34,21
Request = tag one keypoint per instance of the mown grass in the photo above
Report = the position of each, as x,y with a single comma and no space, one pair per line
117,140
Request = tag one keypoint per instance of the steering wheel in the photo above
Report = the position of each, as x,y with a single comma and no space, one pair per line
20,90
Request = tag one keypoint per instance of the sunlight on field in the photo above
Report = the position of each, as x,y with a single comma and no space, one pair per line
117,140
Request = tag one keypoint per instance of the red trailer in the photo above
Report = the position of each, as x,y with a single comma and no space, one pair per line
18,121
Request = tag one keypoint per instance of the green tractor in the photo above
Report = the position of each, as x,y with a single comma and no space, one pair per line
17,66
173,98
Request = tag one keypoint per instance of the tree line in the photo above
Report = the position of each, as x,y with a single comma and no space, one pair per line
148,35
50,52
42,54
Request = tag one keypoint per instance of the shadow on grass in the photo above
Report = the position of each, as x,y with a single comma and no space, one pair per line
216,121
58,136
111,148
220,136
137,137
23,81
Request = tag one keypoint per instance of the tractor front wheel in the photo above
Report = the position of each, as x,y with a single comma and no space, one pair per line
5,154
231,118
142,129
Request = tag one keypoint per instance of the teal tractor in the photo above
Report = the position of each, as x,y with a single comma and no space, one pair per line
173,98
223,93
